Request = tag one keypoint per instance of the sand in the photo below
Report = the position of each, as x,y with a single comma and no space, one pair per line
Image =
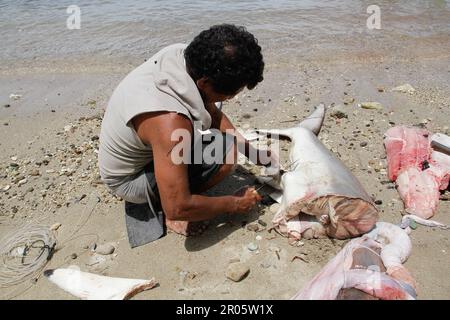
53,130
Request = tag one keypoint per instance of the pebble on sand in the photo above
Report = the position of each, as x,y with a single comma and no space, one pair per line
14,96
405,88
349,100
55,226
339,112
237,271
69,128
34,173
252,246
105,249
261,222
253,227
371,105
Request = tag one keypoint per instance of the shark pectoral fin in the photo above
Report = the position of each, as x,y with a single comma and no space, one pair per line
276,133
314,121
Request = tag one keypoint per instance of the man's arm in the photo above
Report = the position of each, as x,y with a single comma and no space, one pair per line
172,179
221,122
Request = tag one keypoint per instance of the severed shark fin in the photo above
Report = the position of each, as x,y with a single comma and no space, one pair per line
89,286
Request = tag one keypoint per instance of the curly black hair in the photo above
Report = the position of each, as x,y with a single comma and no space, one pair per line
228,55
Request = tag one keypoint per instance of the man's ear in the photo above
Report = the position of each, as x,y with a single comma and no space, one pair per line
202,83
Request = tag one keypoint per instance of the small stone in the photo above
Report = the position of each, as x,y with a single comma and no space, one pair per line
237,271
22,182
105,249
405,88
14,158
14,96
55,226
363,144
252,246
378,202
74,256
6,188
14,165
34,173
339,112
371,105
258,238
349,100
380,89
69,128
30,189
253,227
412,224
261,222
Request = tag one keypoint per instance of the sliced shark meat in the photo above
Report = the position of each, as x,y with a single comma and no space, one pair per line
418,171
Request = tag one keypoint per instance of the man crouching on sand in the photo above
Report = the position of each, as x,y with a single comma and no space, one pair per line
178,87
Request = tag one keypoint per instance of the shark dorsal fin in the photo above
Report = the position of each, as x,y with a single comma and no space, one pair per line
314,121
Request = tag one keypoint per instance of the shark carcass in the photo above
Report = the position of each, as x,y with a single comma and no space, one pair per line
318,195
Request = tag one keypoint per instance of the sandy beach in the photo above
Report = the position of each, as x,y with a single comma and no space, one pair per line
48,158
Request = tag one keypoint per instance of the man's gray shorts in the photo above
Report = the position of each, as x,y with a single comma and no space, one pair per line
143,212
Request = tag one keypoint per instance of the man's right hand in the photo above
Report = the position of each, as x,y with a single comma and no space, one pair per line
246,199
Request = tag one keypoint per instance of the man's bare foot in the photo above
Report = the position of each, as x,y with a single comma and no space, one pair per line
187,228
